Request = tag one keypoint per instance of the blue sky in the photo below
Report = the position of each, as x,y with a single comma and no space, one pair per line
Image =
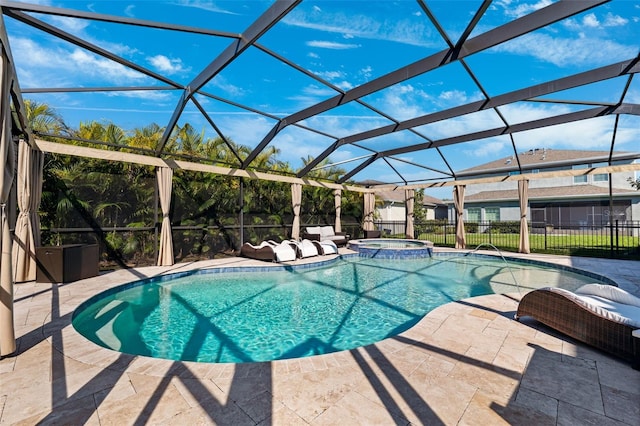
346,43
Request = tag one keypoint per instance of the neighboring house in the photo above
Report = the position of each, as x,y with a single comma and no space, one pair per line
560,201
391,206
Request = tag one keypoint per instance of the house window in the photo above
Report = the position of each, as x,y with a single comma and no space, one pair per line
600,177
473,214
492,214
580,179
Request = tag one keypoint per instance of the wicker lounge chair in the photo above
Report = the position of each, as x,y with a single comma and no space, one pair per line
326,247
269,251
304,248
263,251
602,316
283,251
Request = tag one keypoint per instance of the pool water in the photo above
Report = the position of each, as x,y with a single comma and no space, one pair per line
391,243
250,317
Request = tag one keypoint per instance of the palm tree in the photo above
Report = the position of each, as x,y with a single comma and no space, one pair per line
44,119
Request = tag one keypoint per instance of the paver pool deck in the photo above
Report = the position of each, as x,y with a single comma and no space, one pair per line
466,362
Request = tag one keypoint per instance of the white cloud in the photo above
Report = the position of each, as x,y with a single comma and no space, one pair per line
489,148
612,20
415,31
592,134
129,10
330,75
404,101
72,25
562,52
155,96
522,9
223,84
77,66
167,65
586,134
208,5
331,45
590,21
95,66
454,96
344,85
320,91
366,72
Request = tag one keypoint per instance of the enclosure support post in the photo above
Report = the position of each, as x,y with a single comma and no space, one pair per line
241,213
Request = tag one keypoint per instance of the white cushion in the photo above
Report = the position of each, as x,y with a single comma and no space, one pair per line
615,311
313,230
326,232
618,312
284,253
329,247
610,292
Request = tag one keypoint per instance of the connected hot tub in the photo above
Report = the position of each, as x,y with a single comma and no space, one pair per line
392,248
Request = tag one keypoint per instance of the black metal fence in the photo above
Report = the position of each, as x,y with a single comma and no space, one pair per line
137,246
619,239
122,247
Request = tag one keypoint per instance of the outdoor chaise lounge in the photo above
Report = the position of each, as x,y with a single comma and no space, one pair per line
283,251
304,248
603,316
321,233
326,247
268,251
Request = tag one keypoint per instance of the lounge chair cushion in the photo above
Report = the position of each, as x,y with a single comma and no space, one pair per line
305,248
625,309
313,230
326,232
328,247
610,292
283,251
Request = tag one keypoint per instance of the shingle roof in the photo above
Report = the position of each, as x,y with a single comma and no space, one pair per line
544,158
552,192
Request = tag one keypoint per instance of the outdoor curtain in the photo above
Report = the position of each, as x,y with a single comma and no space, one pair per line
369,207
523,194
7,171
409,197
296,201
458,201
337,195
27,231
165,251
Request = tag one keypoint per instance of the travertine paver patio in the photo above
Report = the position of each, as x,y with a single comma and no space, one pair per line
465,363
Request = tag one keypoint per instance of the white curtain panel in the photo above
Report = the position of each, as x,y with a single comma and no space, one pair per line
296,201
458,200
165,183
7,164
369,207
337,196
409,198
24,266
523,194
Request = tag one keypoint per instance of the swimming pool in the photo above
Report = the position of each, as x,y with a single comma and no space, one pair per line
212,316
